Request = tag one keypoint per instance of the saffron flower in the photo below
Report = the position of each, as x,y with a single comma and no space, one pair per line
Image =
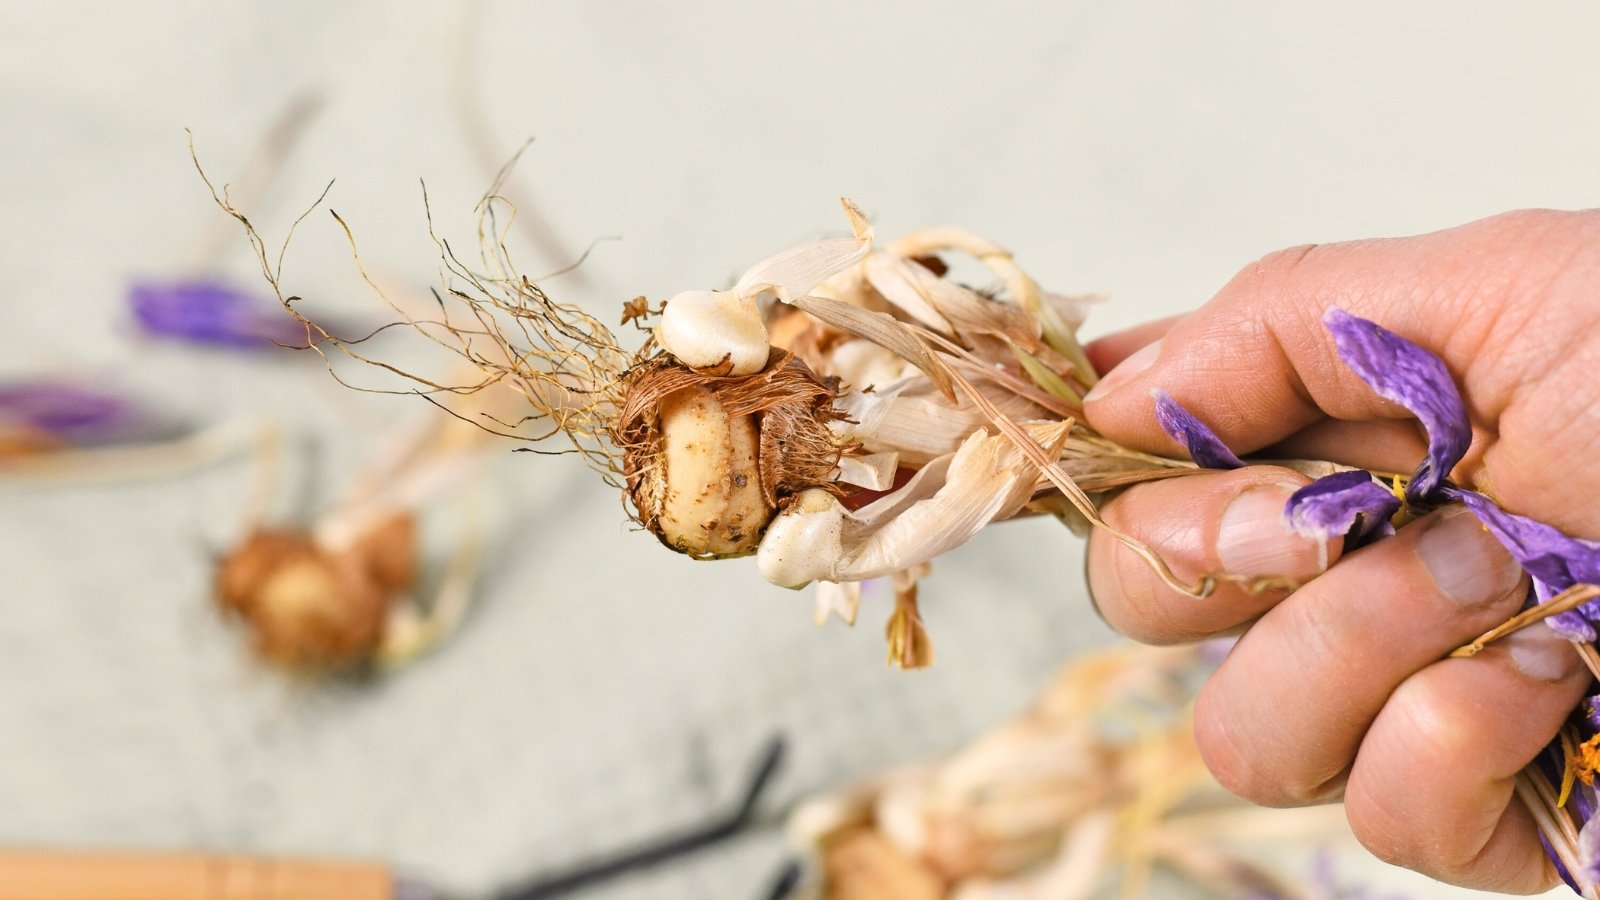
213,312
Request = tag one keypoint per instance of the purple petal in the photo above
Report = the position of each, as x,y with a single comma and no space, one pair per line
1581,803
1205,448
1589,853
1549,555
211,312
1571,624
1556,560
1334,504
74,413
1401,371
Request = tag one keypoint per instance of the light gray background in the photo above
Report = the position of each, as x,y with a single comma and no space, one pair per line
606,690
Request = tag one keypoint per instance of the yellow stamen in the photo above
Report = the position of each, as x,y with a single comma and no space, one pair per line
1569,774
1583,761
1403,514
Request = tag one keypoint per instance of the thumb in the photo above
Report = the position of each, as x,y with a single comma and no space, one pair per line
1257,364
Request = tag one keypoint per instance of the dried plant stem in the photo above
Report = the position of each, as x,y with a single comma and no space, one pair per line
409,636
1547,796
269,474
1050,468
1569,599
1023,290
1589,655
259,172
1538,797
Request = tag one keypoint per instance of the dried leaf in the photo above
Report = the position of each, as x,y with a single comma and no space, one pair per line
873,471
940,508
881,329
842,599
794,272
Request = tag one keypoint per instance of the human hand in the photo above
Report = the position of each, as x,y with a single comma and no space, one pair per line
1340,688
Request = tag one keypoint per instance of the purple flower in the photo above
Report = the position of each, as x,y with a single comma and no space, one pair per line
1339,504
211,312
1205,448
71,413
1399,370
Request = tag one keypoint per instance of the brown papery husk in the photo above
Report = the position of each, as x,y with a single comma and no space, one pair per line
792,407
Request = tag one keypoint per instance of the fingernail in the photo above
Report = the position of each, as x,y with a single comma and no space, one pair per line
1252,540
1125,371
1541,654
1466,562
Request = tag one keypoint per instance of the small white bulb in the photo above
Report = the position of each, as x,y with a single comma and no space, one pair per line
806,543
715,330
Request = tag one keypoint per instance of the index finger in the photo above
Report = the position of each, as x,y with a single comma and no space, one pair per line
1257,364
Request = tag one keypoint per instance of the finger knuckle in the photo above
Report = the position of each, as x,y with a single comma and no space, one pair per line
1281,265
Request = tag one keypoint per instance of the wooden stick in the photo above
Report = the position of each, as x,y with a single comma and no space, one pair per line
62,875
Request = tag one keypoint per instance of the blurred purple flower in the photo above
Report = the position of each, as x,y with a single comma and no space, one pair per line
211,312
1399,370
72,413
1339,504
1205,448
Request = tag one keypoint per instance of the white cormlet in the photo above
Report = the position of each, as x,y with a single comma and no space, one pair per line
805,544
713,330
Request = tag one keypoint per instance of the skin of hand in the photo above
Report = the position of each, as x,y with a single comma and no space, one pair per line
1340,689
